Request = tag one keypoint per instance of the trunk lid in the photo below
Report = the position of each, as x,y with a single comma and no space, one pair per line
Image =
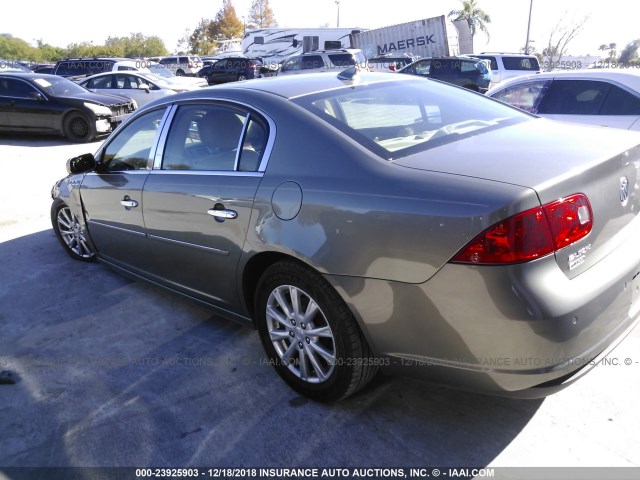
556,160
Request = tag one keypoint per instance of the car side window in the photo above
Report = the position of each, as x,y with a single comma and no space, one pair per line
130,148
126,81
620,102
423,68
525,96
574,97
15,88
311,61
214,138
100,82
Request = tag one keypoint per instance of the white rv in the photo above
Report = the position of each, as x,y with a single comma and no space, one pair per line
273,45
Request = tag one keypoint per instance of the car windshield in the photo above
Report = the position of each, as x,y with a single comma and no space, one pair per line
160,70
396,120
58,86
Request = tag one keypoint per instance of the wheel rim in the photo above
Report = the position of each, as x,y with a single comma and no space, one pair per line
300,334
72,233
79,127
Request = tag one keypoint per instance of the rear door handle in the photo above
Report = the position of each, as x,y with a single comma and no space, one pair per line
223,214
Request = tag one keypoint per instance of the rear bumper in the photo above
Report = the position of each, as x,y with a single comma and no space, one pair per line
523,331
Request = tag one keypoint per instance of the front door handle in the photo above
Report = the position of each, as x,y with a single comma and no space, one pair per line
223,214
126,202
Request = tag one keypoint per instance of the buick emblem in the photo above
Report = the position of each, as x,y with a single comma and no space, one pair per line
624,191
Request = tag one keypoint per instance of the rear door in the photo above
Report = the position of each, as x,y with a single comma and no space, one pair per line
199,198
593,102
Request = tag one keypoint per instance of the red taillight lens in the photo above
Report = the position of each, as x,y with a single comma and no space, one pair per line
531,234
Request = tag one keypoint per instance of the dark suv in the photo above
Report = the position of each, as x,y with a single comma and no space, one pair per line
231,69
467,72
75,68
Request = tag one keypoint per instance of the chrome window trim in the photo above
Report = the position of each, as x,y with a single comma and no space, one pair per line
162,139
219,173
157,141
241,141
157,164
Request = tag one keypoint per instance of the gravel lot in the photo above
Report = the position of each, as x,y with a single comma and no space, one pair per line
113,372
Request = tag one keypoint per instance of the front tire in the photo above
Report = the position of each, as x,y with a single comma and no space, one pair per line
242,77
77,128
71,233
310,335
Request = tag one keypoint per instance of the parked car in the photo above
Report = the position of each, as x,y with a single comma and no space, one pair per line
609,98
187,83
231,69
323,61
39,103
136,86
467,72
182,65
78,68
12,66
505,66
390,62
366,220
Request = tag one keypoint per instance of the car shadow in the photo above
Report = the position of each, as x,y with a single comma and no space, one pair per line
115,372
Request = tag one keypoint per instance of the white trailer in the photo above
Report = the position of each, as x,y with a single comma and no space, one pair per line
430,37
273,45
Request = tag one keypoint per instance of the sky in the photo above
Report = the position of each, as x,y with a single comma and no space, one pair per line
61,22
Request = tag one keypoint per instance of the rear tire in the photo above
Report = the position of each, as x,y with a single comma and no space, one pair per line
242,77
180,73
310,335
77,128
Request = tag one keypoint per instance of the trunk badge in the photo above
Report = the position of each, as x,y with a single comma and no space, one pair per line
624,191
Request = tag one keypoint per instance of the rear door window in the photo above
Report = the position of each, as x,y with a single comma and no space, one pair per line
574,97
520,63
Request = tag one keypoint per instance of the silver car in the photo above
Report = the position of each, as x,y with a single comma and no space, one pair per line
366,221
136,86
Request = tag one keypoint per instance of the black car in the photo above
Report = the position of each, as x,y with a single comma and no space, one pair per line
231,69
77,68
391,62
467,72
38,103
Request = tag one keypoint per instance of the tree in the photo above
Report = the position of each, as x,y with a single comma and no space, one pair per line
200,41
629,53
474,15
226,25
561,35
261,15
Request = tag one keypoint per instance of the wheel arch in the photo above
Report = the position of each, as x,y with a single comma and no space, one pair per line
253,270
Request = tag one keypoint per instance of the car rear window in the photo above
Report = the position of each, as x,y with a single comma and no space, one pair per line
395,120
521,63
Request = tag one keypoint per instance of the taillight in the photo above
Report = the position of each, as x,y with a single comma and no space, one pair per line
531,234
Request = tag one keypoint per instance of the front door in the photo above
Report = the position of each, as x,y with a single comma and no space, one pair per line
112,195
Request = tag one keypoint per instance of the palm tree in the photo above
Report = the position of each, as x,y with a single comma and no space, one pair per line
474,15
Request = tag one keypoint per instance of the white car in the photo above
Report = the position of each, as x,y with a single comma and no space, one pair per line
135,85
608,98
505,66
323,61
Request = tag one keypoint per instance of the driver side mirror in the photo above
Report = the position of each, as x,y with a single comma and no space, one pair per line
145,87
81,164
36,96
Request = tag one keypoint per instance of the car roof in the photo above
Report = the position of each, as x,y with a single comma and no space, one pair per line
31,75
628,77
293,86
